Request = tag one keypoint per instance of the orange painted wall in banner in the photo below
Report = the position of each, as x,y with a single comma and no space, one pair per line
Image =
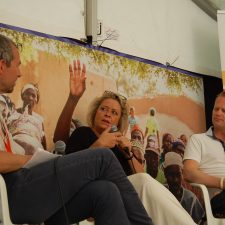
52,76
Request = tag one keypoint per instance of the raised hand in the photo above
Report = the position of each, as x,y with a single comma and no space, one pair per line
77,79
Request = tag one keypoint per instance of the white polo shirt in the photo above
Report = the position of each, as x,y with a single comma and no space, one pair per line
209,153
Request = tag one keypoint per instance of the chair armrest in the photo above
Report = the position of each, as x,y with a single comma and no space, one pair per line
206,198
4,202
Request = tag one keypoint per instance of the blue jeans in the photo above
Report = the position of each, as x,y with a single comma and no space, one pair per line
92,184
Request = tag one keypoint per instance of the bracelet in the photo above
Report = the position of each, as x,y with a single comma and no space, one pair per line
141,161
221,182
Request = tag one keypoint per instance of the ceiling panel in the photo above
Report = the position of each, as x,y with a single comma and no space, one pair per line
211,6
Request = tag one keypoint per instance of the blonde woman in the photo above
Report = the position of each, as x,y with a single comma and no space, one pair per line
108,110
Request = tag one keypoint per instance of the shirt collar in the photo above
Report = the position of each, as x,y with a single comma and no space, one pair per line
210,133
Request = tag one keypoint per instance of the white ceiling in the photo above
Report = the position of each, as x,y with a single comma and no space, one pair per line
211,6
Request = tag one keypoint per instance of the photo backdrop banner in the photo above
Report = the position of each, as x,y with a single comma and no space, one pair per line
177,96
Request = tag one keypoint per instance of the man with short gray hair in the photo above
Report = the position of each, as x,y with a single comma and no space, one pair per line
62,190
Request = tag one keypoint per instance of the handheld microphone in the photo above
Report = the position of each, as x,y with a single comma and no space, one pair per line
113,129
60,147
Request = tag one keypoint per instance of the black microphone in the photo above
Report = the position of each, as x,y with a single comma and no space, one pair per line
113,129
60,147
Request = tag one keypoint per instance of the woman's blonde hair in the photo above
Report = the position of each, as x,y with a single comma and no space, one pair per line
123,121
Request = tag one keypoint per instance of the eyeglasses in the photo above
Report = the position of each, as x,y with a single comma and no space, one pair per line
122,99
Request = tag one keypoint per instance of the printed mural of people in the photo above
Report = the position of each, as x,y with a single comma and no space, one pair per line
167,140
152,127
173,166
152,143
132,119
26,125
137,144
137,135
178,147
153,166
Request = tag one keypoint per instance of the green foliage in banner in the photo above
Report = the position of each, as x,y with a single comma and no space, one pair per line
128,74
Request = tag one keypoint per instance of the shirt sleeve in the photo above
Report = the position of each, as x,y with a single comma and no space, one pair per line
193,149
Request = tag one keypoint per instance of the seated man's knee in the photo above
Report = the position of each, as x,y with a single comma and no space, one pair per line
105,190
105,153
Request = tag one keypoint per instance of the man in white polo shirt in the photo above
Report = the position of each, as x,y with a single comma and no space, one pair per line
204,158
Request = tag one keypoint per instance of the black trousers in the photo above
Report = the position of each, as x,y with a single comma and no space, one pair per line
218,205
